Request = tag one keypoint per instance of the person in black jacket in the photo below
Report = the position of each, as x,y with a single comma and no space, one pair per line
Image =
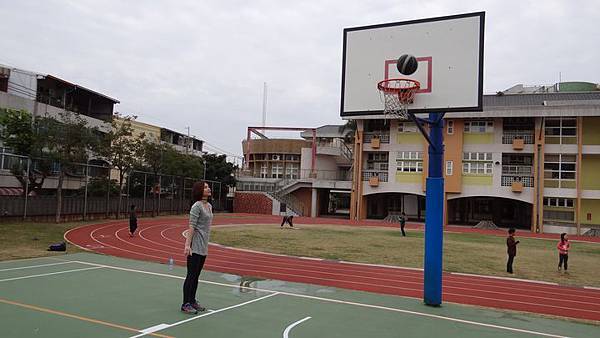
511,245
132,221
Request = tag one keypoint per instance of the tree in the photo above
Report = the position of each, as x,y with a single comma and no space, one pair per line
348,131
120,148
68,141
178,164
19,132
218,169
153,155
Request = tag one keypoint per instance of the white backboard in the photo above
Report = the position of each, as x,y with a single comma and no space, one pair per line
449,51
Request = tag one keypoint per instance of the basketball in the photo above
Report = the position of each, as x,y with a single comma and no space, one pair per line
407,64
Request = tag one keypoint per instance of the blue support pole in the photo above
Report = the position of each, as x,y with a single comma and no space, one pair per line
434,215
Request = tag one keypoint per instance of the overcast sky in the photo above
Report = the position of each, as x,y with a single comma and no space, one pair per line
203,63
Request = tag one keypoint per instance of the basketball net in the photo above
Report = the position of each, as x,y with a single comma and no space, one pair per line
396,95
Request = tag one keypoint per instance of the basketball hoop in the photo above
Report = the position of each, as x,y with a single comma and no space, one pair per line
396,95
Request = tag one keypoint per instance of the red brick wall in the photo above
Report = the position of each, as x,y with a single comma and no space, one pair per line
252,203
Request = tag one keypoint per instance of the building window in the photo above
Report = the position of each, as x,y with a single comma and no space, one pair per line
477,163
479,127
292,170
377,161
290,157
450,127
407,127
559,170
449,168
409,161
561,130
264,170
559,202
277,170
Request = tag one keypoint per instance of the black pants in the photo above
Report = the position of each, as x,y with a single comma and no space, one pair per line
287,219
402,228
132,226
509,264
195,263
563,258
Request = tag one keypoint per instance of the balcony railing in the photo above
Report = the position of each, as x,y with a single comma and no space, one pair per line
367,174
332,175
517,170
384,137
509,135
507,180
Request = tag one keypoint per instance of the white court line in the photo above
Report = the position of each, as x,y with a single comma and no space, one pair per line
165,326
262,267
331,300
287,330
50,274
34,266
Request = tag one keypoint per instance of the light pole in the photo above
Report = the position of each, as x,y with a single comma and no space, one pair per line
204,162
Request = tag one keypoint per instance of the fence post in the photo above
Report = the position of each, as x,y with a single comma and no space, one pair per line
128,180
85,194
144,196
26,188
181,195
159,191
108,194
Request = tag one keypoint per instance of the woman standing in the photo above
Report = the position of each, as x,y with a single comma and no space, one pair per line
196,245
563,251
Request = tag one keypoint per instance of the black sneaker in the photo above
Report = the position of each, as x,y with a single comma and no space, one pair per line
189,309
198,307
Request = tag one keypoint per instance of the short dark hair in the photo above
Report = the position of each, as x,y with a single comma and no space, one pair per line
562,236
511,230
198,191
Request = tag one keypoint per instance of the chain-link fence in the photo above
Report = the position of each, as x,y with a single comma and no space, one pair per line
92,191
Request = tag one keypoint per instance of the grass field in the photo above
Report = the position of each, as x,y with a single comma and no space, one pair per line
26,240
467,253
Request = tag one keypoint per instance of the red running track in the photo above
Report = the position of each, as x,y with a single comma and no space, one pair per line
160,239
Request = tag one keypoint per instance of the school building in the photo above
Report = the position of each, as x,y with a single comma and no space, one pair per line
530,160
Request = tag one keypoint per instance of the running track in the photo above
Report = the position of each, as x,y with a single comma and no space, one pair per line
160,239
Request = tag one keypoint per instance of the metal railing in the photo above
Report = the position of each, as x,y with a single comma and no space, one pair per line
508,136
331,175
384,137
507,180
367,174
92,191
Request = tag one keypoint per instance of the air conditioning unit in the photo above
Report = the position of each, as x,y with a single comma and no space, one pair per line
275,158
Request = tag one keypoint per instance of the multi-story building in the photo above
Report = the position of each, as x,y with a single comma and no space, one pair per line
530,159
48,95
310,175
186,144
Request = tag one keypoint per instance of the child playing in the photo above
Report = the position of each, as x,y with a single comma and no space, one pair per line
563,251
511,245
132,221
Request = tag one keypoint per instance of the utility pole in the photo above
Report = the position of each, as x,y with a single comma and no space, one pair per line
187,143
264,111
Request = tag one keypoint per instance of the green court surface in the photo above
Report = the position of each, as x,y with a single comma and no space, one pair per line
88,295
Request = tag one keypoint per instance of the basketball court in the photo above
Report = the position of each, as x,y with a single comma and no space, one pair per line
101,296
